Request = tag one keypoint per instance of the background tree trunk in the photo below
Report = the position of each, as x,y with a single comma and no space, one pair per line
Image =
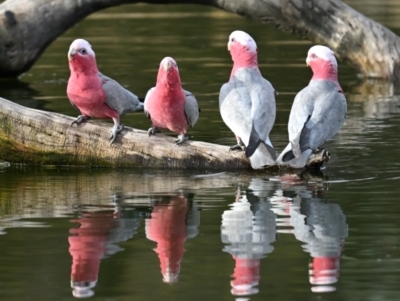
28,27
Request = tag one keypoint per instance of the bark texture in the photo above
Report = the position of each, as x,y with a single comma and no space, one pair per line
39,137
42,138
28,27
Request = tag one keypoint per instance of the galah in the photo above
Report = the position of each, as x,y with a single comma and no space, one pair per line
94,94
247,102
318,111
168,105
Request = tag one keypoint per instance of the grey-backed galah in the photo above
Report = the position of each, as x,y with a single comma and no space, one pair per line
168,105
94,94
318,111
247,102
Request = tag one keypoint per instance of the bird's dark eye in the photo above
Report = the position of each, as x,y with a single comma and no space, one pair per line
233,40
313,56
82,51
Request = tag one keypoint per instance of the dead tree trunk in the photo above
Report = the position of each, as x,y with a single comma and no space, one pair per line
28,27
39,137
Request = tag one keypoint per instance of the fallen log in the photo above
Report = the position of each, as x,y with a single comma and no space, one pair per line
39,137
372,49
43,138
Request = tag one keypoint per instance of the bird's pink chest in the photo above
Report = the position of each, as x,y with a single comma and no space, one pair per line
167,111
87,94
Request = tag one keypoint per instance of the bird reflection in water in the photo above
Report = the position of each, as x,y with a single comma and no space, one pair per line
320,225
173,220
95,238
248,229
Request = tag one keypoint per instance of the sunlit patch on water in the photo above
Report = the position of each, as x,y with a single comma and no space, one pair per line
352,180
7,223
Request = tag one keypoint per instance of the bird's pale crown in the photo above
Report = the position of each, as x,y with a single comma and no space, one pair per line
167,62
322,52
79,44
244,39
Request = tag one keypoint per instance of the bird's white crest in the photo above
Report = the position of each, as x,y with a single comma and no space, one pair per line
167,62
244,39
322,52
81,43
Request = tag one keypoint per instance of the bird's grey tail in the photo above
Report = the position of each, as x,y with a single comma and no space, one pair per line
289,159
262,156
301,161
288,156
254,143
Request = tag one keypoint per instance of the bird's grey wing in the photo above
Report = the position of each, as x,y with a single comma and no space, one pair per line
235,105
147,100
318,113
263,112
330,112
223,93
191,108
300,114
119,98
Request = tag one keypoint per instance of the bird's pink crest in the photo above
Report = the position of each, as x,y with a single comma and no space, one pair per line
243,50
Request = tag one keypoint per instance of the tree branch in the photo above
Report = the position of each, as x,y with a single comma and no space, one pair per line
28,27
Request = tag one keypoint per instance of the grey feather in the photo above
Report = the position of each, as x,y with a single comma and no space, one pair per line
191,108
247,106
119,98
317,114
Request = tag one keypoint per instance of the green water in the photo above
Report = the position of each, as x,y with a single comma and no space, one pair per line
118,228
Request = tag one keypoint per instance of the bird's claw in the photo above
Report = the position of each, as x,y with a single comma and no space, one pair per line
115,131
239,146
152,131
181,138
80,119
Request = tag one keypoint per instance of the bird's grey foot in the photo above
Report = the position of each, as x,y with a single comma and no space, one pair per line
181,138
80,119
240,146
115,131
152,131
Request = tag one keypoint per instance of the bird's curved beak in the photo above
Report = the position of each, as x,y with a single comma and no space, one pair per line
167,65
229,46
71,53
308,62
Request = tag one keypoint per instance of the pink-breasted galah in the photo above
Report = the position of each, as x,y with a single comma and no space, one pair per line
168,105
94,94
247,102
318,111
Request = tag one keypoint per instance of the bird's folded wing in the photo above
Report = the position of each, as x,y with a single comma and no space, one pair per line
119,98
191,108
